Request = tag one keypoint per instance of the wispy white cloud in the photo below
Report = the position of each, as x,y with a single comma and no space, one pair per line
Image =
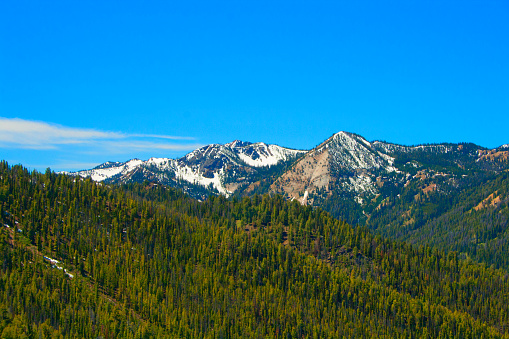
38,135
19,133
116,147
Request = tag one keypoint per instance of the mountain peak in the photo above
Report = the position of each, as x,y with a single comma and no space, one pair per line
238,143
350,138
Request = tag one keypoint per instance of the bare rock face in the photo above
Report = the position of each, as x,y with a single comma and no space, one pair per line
310,173
344,160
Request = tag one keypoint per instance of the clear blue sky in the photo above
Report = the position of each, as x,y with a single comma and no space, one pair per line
83,82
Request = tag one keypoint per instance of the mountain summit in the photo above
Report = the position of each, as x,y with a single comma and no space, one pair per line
344,160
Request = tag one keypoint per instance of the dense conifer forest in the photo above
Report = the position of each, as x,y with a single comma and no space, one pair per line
80,259
473,221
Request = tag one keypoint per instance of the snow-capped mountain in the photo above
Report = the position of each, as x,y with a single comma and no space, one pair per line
345,161
224,168
111,169
352,151
345,166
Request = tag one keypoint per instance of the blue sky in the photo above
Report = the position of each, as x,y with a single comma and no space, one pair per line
85,82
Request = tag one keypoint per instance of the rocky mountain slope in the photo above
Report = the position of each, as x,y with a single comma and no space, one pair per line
345,162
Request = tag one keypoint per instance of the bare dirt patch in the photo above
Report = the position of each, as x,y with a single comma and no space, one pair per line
430,188
492,200
493,155
309,174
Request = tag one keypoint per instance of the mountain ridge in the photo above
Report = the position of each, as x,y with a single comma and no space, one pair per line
349,163
215,167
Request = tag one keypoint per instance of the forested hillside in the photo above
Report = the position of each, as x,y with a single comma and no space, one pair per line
472,219
82,259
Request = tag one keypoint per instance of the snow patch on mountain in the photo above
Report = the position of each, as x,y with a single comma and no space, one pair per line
393,148
354,152
195,177
261,154
102,172
160,162
305,198
360,184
